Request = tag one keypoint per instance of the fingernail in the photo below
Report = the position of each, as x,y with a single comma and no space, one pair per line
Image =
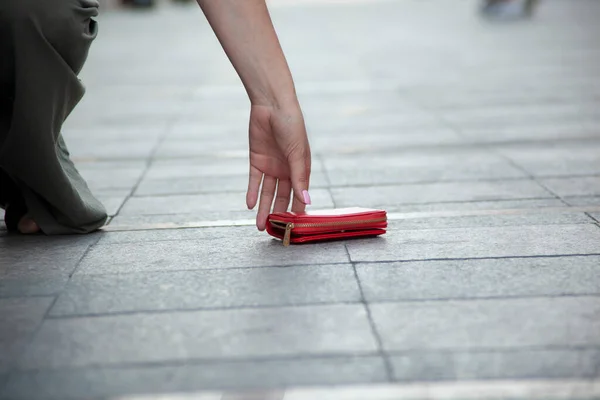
306,197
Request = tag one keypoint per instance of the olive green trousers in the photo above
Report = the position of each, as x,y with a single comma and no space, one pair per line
43,47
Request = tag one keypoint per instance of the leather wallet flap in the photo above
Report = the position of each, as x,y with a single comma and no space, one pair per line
328,215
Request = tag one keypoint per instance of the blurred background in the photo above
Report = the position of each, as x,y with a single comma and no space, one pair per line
388,88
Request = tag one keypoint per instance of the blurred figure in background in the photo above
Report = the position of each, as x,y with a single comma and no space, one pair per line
509,8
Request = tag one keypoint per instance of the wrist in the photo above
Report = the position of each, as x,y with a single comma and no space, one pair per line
283,97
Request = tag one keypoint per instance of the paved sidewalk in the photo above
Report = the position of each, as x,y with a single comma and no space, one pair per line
481,139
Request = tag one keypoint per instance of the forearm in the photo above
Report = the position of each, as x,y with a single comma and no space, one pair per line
245,31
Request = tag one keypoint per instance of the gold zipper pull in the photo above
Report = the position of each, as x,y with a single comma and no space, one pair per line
288,233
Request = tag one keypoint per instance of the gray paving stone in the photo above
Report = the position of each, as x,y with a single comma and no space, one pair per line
393,121
386,169
502,216
522,114
129,132
559,130
181,204
574,186
583,201
201,167
202,119
195,169
110,382
257,250
52,284
197,219
554,276
150,108
207,184
103,149
383,141
39,265
579,158
84,118
143,70
155,226
319,109
338,329
468,99
112,200
116,111
488,324
174,148
99,178
497,218
159,235
513,241
208,289
20,318
438,193
519,364
97,166
528,204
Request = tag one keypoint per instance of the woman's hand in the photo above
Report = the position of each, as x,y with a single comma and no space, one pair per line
279,158
279,150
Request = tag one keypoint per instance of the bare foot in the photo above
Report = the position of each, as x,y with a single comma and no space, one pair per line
28,226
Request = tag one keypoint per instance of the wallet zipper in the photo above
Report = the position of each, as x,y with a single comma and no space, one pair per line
291,225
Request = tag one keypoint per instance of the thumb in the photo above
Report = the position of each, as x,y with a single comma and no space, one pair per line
300,165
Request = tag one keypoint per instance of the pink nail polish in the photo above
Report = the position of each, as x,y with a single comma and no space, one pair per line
306,197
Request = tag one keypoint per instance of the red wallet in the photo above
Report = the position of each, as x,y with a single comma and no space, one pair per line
314,226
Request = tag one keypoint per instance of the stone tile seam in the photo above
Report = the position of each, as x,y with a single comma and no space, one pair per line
389,229
311,357
325,172
149,161
528,173
27,296
321,161
392,216
389,369
479,258
315,305
379,150
343,263
396,204
328,187
532,388
328,264
596,220
358,262
327,179
184,362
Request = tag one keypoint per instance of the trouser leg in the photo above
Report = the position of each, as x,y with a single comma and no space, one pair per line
47,42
